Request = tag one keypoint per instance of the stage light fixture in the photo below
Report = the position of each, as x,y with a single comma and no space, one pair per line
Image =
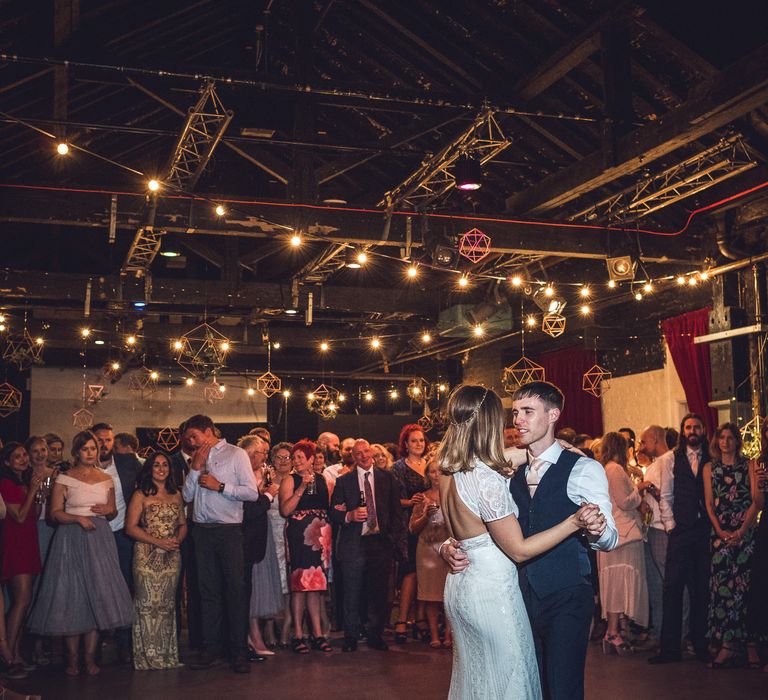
621,267
468,173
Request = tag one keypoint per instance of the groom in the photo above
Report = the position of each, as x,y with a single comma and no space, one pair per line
552,485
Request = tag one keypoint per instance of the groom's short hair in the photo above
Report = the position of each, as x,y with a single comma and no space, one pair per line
546,392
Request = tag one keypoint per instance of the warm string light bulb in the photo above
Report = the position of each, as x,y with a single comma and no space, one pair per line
220,210
368,396
342,398
39,340
478,331
153,185
115,366
222,388
585,310
276,345
311,396
442,388
85,332
647,287
639,296
62,148
375,343
611,284
154,376
286,393
189,381
549,291
178,345
680,280
585,292
324,347
692,281
516,281
224,346
412,271
393,394
295,240
426,338
704,276
131,340
531,321
251,391
362,258
463,281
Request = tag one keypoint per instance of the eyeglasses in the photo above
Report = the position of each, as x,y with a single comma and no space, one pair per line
282,457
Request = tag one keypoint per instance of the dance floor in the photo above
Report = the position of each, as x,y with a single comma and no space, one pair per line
411,671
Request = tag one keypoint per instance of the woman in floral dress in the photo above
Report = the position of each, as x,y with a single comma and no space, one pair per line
304,503
155,519
732,501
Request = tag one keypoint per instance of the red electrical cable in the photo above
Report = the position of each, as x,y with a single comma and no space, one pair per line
462,217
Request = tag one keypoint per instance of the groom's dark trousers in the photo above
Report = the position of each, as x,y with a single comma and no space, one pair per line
555,585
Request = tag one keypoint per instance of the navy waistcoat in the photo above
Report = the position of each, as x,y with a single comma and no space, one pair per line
567,564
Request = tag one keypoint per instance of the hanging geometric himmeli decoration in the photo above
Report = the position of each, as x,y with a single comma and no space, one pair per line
751,435
144,382
324,401
553,324
95,394
146,452
82,419
268,384
23,351
213,392
440,420
521,372
426,420
418,390
10,399
474,245
168,439
202,351
596,381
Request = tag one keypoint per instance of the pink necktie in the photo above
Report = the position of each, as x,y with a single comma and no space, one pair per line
534,477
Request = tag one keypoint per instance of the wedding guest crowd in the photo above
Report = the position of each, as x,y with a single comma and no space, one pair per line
255,548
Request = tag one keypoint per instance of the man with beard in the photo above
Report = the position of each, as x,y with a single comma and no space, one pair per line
335,470
684,515
124,469
329,444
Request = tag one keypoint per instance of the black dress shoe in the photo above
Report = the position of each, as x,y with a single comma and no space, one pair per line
349,644
240,664
378,644
253,657
664,658
203,661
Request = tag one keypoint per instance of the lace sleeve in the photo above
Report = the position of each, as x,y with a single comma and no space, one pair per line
494,499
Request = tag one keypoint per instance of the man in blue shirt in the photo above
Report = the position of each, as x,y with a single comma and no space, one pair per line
220,479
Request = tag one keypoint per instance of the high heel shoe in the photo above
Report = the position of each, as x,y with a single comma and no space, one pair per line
401,637
614,644
421,630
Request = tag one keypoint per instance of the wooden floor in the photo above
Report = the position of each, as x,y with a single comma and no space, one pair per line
411,671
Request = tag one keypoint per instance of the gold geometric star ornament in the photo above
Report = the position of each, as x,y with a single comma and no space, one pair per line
596,381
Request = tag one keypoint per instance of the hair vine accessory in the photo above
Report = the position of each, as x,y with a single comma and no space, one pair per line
474,413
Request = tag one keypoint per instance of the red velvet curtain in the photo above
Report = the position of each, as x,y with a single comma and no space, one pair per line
565,369
692,361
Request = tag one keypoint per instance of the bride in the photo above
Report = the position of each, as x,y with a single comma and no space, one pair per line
494,656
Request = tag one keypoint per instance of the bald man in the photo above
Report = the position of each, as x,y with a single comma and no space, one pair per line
653,444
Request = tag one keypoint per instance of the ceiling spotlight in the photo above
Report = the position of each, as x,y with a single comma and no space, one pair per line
291,312
680,280
426,338
639,296
692,281
478,330
131,340
189,381
276,345
412,271
516,281
251,391
324,346
621,267
468,174
139,304
585,310
585,292
62,148
98,342
612,284
295,240
153,185
530,321
170,254
368,396
463,281
286,393
375,343
548,300
85,332
647,287
224,346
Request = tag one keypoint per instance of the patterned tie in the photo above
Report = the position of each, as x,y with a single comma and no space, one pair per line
534,477
693,458
371,521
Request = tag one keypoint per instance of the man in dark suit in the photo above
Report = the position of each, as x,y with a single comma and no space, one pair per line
366,506
124,470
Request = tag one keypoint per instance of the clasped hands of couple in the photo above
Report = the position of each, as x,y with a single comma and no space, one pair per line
588,518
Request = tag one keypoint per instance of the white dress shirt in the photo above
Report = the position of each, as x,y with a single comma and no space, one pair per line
654,473
587,483
331,473
668,487
230,465
118,522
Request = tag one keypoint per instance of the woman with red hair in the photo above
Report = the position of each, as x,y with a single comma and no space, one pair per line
410,471
304,503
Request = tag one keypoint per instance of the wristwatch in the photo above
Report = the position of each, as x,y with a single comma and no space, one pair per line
221,487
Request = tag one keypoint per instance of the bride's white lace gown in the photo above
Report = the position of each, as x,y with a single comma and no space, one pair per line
494,656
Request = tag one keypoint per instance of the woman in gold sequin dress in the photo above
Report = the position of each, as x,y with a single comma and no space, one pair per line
155,519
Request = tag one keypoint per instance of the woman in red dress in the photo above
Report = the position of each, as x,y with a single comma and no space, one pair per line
21,552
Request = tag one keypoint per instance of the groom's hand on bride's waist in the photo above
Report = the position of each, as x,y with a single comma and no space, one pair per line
454,556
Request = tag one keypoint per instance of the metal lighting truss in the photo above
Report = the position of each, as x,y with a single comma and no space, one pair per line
205,124
483,140
727,158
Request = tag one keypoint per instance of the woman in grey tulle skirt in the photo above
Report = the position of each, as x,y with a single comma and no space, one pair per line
82,590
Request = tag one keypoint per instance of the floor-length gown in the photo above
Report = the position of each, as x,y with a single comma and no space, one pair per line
156,576
494,656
